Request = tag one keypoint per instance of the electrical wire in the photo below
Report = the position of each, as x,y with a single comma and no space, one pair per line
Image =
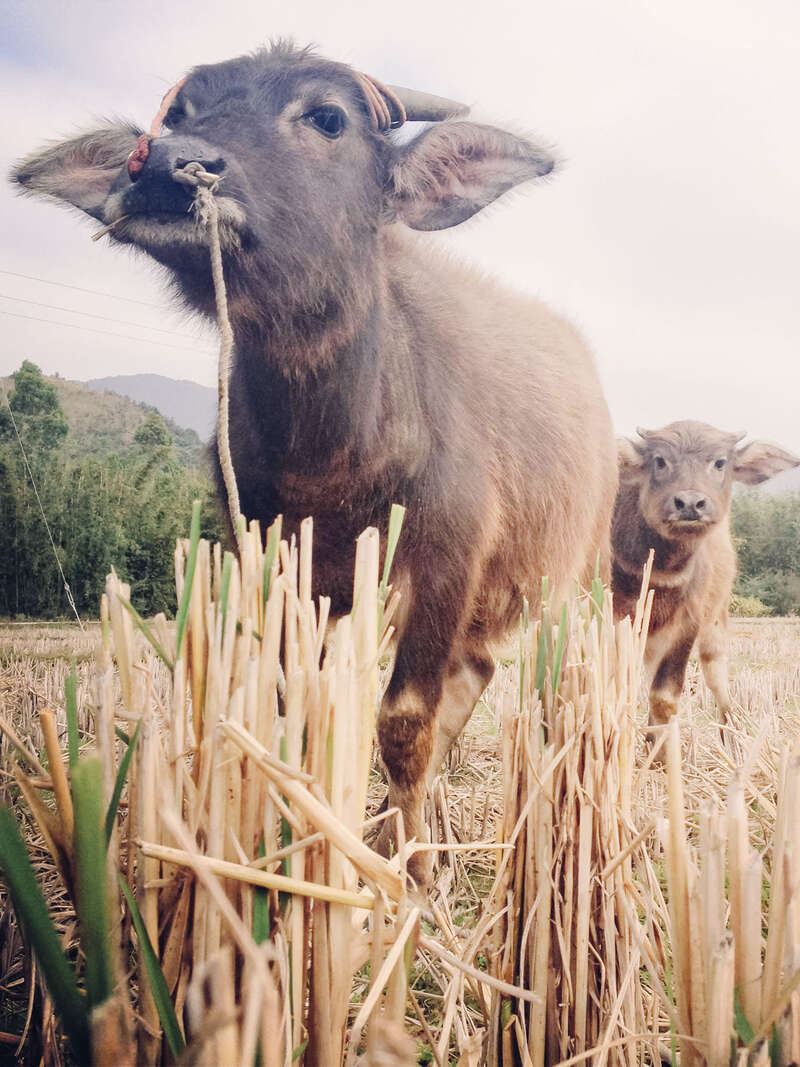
106,333
80,289
93,315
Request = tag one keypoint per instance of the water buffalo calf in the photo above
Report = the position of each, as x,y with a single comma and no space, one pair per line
674,497
368,367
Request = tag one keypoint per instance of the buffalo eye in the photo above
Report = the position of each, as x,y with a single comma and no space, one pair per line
660,463
180,110
720,463
328,120
174,116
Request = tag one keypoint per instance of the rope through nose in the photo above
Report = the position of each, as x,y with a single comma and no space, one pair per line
138,157
205,184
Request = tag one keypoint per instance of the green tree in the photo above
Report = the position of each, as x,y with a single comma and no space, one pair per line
40,420
766,531
153,432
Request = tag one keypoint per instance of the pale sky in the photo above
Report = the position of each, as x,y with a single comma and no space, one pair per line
671,236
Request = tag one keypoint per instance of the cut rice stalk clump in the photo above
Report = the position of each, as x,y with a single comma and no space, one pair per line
569,929
243,840
734,922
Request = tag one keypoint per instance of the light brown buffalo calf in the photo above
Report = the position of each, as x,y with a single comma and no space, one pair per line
674,497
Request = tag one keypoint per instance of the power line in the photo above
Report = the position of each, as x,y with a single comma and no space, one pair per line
107,333
92,315
81,289
67,589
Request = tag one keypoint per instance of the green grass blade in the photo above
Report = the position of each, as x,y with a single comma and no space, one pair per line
558,655
155,976
90,857
505,1011
34,918
122,774
598,597
260,906
776,1057
396,517
71,705
741,1024
191,563
270,552
150,637
524,623
541,657
225,587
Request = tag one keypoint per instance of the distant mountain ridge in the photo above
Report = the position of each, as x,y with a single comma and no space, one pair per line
187,403
102,423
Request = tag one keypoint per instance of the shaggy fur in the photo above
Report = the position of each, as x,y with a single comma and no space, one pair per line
369,369
674,498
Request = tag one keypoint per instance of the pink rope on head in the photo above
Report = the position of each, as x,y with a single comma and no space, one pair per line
138,157
166,103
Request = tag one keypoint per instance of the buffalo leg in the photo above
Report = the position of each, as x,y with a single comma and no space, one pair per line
668,682
713,648
407,717
466,679
406,730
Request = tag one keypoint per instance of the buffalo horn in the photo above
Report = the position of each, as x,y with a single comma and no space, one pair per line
423,107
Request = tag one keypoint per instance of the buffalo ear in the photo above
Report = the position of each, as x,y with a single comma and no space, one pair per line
630,459
80,171
454,169
756,462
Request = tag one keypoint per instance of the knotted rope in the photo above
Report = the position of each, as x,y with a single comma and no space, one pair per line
204,183
138,157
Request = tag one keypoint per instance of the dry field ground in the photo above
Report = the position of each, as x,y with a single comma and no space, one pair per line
467,804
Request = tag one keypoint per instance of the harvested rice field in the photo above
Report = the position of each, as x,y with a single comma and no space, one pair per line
586,906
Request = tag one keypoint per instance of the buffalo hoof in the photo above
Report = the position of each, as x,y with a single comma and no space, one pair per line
420,864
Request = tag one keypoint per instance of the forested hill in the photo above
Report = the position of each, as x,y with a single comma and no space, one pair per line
116,483
102,424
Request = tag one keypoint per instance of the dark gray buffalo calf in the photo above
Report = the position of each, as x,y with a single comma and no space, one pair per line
369,368
674,497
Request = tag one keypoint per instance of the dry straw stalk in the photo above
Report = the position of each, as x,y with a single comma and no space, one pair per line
247,751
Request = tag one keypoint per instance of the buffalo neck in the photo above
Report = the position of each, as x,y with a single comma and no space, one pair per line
315,392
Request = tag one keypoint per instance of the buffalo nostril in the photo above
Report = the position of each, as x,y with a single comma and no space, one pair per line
700,504
680,503
213,166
